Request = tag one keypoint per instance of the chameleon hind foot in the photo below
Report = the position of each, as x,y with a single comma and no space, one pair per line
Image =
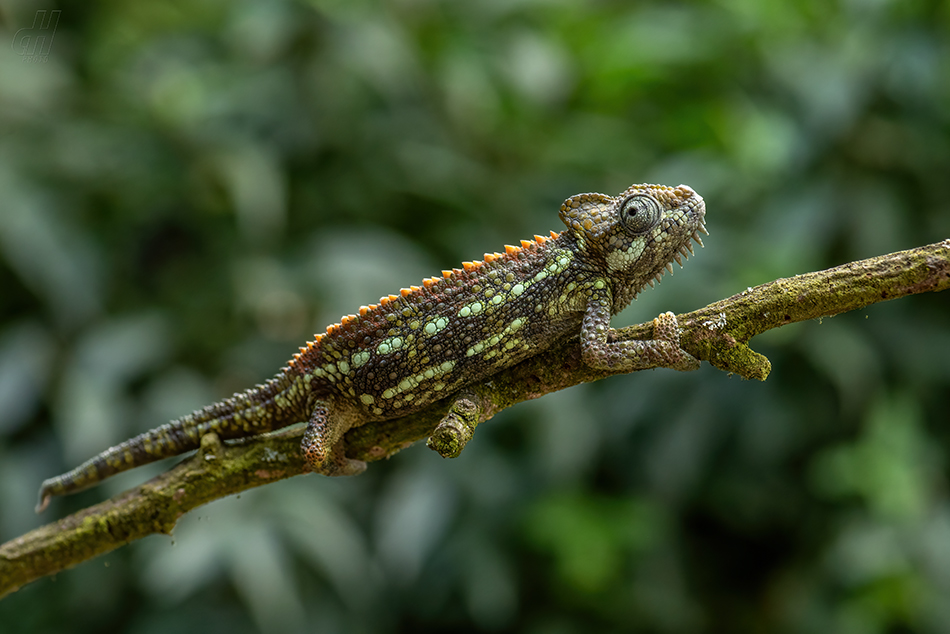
322,447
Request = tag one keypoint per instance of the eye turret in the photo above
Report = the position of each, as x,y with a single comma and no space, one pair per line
639,213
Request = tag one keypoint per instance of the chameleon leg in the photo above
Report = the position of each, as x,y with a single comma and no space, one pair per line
663,351
322,446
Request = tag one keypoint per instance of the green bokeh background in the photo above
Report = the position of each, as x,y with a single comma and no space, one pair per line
190,189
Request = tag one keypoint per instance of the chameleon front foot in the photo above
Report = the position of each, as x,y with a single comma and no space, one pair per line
601,350
457,427
666,329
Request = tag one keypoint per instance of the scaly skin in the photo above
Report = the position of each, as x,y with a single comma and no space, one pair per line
430,342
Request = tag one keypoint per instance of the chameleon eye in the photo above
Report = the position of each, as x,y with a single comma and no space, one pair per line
639,213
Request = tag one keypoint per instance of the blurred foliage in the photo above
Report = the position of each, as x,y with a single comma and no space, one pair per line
190,189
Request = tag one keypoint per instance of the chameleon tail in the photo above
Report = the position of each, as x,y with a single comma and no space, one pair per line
274,404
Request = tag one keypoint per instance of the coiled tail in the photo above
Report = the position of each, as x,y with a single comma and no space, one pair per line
279,402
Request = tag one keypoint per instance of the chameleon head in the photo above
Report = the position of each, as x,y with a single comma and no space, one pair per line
632,238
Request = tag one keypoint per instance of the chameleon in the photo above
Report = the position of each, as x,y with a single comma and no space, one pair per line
430,342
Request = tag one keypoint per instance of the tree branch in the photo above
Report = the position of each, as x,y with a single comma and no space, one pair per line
718,333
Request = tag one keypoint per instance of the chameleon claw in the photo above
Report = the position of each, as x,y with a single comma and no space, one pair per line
666,329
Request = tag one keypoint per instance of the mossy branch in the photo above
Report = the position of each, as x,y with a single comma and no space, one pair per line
718,333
